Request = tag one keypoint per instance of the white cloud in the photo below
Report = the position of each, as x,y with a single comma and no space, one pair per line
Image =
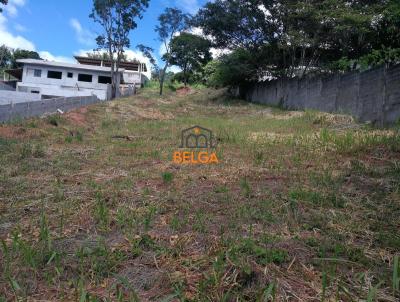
12,7
162,50
216,52
17,41
20,28
10,40
83,35
174,69
49,57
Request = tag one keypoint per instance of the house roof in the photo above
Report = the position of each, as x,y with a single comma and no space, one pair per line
65,65
134,65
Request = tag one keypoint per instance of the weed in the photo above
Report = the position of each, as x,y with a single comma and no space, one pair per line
54,120
372,292
148,217
167,177
26,150
139,243
396,274
101,211
69,139
245,187
262,255
258,157
79,136
269,293
221,189
98,262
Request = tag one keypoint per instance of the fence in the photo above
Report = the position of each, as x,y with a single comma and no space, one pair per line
8,96
372,95
37,108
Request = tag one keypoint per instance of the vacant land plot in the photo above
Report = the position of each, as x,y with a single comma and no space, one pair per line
301,207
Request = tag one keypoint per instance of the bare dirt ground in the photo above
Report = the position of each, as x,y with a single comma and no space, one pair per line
302,206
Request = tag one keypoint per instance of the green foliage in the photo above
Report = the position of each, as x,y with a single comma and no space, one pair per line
262,255
231,69
396,274
5,56
101,211
18,54
167,177
292,38
190,53
54,119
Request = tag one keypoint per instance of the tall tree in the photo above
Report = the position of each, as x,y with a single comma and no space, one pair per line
189,52
117,19
171,22
4,2
5,56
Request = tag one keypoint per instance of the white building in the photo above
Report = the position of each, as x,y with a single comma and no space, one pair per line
52,79
134,72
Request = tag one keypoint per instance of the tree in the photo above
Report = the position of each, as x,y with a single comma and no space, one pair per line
171,22
18,54
148,53
117,19
4,2
287,38
189,52
5,57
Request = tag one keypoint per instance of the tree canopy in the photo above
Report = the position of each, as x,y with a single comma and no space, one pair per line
288,38
189,52
4,2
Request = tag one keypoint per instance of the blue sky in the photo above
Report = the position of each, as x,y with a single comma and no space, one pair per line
59,29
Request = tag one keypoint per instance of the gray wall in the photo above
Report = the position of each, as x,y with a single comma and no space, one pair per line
7,85
372,95
29,109
8,97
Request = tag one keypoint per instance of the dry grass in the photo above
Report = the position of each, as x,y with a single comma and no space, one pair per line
303,206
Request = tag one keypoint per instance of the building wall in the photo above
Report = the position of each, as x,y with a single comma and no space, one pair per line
372,95
13,97
133,77
65,86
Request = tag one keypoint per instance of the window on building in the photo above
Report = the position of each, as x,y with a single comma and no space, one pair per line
54,74
37,73
104,80
85,77
70,75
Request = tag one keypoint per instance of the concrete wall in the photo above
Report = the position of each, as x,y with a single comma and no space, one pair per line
372,95
7,85
126,90
8,97
29,109
133,77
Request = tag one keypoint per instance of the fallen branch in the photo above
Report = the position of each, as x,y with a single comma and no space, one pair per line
126,137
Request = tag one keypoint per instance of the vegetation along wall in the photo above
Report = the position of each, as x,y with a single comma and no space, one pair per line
370,96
